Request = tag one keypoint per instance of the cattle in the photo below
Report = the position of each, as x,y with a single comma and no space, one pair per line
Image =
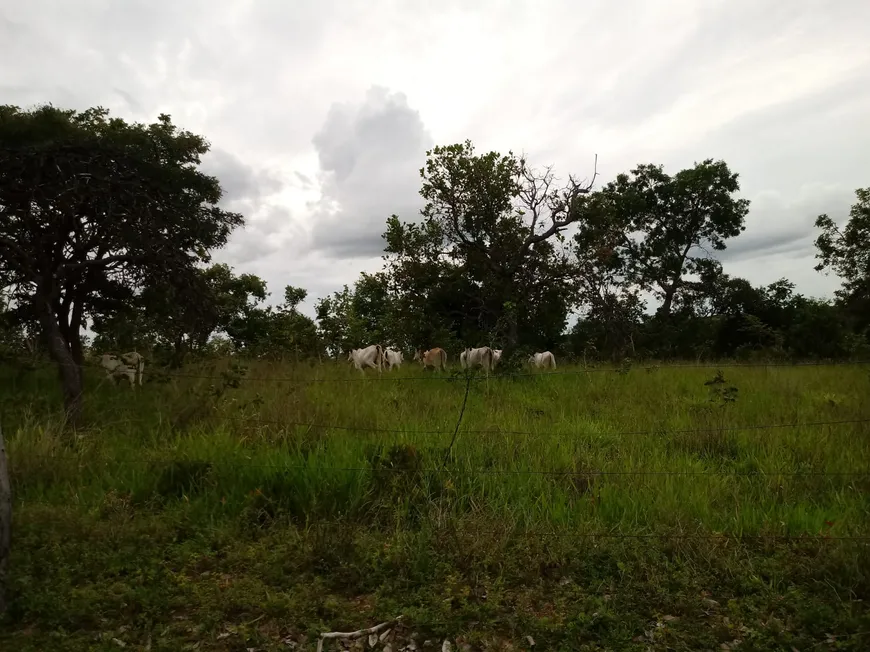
370,356
496,356
127,365
543,360
435,358
481,357
393,358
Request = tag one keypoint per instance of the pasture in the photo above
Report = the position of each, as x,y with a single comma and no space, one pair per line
642,508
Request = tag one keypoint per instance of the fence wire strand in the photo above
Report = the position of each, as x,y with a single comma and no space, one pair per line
456,467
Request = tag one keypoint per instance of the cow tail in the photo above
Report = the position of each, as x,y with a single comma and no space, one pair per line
141,367
379,353
443,359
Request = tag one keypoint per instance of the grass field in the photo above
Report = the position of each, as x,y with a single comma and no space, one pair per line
641,509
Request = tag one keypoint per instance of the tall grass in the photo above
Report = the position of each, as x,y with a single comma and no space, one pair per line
653,451
537,458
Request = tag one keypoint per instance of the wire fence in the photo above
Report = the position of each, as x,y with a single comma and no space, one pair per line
391,376
388,376
451,465
657,432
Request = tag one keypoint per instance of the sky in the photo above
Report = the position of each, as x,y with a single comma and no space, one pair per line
320,113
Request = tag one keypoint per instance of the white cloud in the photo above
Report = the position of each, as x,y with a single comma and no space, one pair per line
320,112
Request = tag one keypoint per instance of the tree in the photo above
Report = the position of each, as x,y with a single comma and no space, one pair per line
274,331
332,313
847,253
92,208
483,260
661,226
612,308
353,318
176,320
294,332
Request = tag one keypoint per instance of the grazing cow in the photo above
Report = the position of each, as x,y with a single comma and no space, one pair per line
127,365
393,358
371,356
481,357
435,358
543,360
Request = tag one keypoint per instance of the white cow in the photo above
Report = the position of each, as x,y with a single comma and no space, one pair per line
496,356
371,356
127,365
393,358
481,357
543,360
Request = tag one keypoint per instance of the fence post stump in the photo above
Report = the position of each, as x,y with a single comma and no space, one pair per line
5,521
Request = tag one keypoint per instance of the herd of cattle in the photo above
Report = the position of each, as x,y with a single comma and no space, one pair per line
131,366
377,357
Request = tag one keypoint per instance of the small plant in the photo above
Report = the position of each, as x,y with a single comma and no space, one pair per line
713,439
721,392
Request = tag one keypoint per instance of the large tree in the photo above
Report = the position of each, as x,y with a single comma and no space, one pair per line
664,227
485,257
846,251
93,206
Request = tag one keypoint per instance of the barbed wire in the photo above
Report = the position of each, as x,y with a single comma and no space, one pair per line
536,533
621,433
459,471
389,376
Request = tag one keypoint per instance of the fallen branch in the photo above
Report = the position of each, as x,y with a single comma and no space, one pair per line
357,634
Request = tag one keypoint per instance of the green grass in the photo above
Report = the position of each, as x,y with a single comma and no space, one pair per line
195,512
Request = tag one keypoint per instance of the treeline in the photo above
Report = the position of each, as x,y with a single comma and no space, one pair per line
112,226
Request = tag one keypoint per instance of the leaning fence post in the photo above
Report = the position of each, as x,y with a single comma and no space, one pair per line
5,521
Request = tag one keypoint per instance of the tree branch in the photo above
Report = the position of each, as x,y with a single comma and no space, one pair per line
563,206
97,262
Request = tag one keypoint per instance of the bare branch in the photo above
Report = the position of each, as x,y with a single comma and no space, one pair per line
357,634
96,262
561,209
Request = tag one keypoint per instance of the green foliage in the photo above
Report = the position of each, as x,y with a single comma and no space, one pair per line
93,208
357,317
656,228
847,252
279,333
486,242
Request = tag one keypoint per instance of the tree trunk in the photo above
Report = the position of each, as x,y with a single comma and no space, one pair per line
74,338
5,521
178,352
69,371
70,322
665,309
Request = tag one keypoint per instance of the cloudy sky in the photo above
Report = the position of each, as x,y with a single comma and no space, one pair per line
320,112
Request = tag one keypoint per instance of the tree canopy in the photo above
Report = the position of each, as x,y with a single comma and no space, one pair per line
92,209
484,262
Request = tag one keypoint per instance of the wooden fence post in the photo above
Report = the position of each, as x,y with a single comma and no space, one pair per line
5,521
